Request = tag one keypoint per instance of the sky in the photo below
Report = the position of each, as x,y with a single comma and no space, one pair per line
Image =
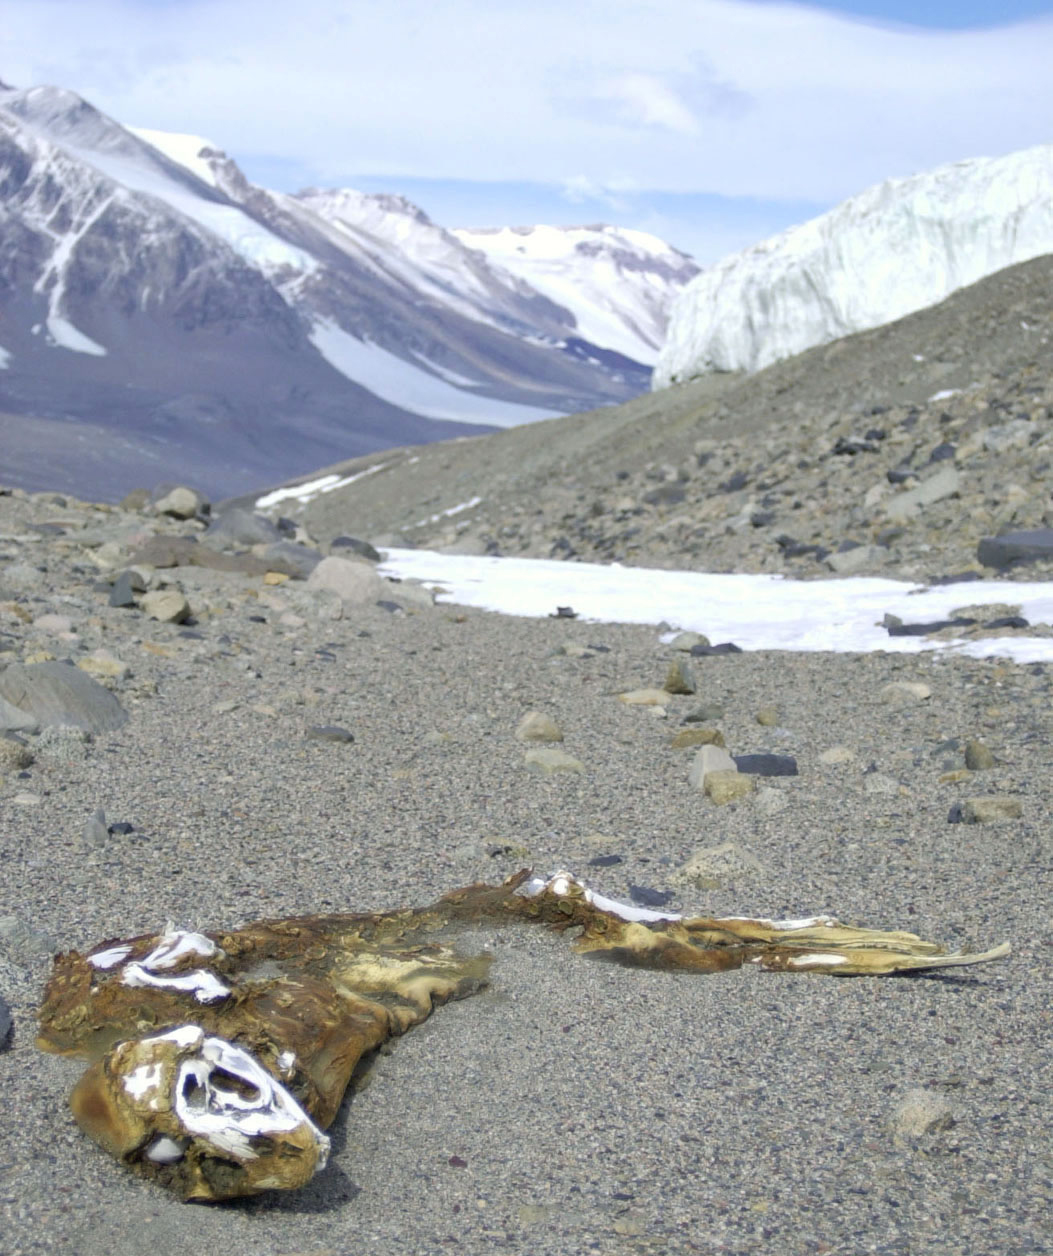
712,123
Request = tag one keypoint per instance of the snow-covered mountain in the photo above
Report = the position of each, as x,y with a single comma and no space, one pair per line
618,283
898,247
195,325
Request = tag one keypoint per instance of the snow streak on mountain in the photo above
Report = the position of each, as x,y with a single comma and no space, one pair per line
164,318
898,247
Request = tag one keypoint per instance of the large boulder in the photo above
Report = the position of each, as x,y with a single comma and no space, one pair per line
54,694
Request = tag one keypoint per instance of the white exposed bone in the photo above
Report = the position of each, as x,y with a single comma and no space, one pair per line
165,1150
110,957
203,985
560,884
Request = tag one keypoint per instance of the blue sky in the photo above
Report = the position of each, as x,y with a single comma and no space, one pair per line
712,123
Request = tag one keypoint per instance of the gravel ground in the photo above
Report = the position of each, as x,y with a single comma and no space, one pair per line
596,1109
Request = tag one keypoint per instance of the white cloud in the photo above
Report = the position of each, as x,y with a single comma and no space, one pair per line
722,96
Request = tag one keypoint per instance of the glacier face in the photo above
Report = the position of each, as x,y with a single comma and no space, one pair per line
898,247
618,283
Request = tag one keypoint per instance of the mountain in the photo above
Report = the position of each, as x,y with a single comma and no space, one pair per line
165,318
891,452
898,247
618,283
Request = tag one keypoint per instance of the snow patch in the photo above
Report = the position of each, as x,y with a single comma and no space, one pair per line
185,150
66,336
5,358
311,489
392,379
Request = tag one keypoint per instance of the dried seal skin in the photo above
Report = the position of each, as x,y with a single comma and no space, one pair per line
217,1059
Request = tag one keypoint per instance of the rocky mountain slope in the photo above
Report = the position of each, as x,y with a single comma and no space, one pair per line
191,325
890,452
898,247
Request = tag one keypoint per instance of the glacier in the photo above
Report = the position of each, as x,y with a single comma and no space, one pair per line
900,246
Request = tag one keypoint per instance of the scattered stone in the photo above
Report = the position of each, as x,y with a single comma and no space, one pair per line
536,726
362,548
900,692
680,678
704,713
330,732
137,499
15,756
710,758
353,581
724,787
6,1024
977,756
24,798
767,716
837,755
921,1112
564,612
168,606
766,764
686,641
697,737
955,777
96,831
716,866
925,630
1013,549
275,578
771,801
605,861
55,694
180,502
238,526
547,762
991,809
645,697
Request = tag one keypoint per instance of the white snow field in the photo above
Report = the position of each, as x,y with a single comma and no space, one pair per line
756,612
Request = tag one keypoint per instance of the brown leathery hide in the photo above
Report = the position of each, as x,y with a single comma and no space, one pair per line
217,1060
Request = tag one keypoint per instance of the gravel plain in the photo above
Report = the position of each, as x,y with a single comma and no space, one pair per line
574,1106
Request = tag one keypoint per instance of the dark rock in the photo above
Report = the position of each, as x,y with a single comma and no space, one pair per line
646,897
122,592
6,1024
605,861
1013,549
961,577
898,475
393,608
942,452
738,480
923,630
330,732
56,694
362,548
852,445
762,518
238,526
954,816
291,559
1008,621
766,764
725,647
564,612
121,829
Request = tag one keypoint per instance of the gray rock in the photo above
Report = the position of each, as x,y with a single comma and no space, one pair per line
14,720
686,641
537,726
179,501
291,559
921,1112
23,944
944,483
704,714
977,756
549,761
1016,434
713,867
128,583
238,526
6,1024
846,562
991,809
96,832
22,577
710,759
680,678
168,606
56,694
1016,548
354,582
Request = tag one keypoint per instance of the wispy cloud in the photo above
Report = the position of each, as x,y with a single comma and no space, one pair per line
723,97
